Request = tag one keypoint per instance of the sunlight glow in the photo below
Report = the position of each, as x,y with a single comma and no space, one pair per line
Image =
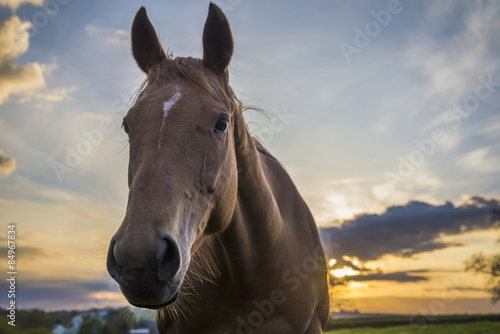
332,262
107,295
352,259
346,271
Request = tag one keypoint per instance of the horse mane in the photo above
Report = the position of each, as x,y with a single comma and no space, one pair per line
187,68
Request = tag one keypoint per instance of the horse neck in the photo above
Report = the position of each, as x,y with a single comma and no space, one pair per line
254,234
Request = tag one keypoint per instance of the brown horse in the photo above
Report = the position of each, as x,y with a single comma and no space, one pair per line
216,237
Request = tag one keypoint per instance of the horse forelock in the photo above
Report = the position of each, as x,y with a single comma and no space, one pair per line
193,71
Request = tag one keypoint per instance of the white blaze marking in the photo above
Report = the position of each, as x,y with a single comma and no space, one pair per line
166,108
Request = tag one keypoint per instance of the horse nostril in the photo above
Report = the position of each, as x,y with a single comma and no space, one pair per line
170,261
112,264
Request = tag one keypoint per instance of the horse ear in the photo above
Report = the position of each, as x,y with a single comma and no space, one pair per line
217,40
146,47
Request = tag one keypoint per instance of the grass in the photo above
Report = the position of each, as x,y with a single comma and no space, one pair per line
483,327
418,320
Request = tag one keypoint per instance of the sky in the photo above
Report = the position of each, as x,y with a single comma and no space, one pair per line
385,114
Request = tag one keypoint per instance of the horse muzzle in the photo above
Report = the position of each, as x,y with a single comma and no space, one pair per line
149,274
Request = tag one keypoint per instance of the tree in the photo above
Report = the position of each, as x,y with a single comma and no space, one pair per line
35,319
488,265
119,321
90,325
38,330
5,328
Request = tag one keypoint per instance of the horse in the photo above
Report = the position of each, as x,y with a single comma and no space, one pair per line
216,237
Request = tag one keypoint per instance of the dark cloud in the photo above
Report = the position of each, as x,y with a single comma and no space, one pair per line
60,294
343,262
468,288
27,253
399,276
407,230
7,165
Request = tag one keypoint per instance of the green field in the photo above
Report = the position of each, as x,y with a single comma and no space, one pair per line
483,327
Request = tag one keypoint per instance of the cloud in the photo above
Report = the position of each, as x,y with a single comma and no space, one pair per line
339,199
51,95
27,80
408,230
469,288
28,253
399,276
119,37
110,36
7,164
15,78
57,294
479,160
468,47
16,3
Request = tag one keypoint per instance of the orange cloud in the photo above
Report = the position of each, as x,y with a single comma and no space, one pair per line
15,78
16,3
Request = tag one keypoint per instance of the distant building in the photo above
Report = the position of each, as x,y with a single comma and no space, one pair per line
76,323
139,331
102,314
59,329
145,325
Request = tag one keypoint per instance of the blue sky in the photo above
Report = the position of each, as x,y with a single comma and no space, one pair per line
358,134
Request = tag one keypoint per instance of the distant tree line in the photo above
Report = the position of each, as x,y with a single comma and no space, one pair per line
31,322
118,321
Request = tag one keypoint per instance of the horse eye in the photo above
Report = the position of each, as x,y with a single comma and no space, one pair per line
221,125
125,126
